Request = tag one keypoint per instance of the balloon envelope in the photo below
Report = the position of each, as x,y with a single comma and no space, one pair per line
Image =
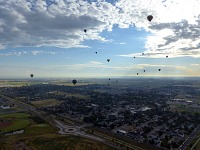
150,17
31,75
74,81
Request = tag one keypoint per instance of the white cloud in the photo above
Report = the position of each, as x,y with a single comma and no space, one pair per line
37,52
19,53
195,64
61,23
11,54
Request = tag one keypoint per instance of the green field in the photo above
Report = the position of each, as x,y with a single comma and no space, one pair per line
80,96
67,143
14,121
45,103
18,83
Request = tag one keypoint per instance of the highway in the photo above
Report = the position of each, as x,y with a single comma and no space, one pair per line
189,139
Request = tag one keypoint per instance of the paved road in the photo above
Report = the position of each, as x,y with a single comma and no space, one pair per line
58,124
189,139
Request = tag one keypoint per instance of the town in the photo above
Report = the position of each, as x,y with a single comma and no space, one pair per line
160,112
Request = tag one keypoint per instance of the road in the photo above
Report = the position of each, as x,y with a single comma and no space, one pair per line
189,139
63,127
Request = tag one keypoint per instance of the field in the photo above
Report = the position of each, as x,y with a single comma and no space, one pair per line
70,95
13,122
45,103
40,135
17,83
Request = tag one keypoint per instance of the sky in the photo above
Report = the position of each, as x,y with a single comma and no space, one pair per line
47,38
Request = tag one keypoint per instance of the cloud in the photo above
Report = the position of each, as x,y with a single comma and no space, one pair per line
11,54
20,53
195,64
37,52
61,23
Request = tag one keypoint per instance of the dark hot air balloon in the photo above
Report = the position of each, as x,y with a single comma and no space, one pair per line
137,73
159,69
134,57
108,60
109,78
144,70
149,17
166,56
31,75
74,81
85,30
96,52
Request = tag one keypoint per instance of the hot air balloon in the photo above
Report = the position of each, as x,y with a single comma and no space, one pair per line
159,69
149,17
137,73
74,81
134,57
85,30
31,75
108,60
96,52
166,56
109,78
144,70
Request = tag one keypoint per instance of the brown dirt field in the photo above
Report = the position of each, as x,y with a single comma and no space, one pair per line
5,124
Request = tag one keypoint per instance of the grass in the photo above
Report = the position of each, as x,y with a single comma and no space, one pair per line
16,121
15,115
6,83
197,147
67,143
78,96
45,103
